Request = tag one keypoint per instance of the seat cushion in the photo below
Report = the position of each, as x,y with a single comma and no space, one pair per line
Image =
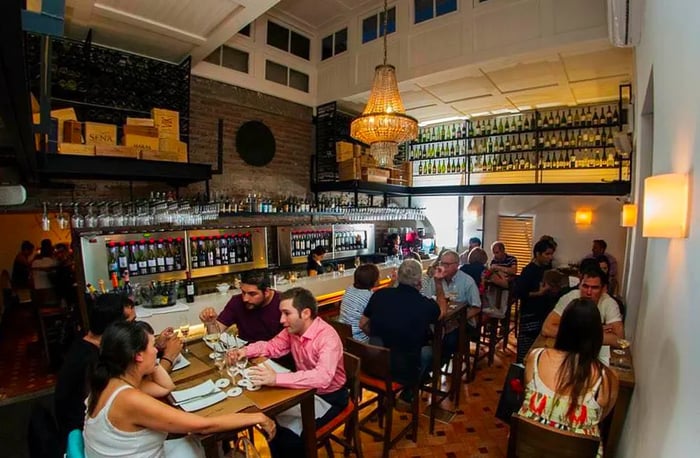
378,384
336,421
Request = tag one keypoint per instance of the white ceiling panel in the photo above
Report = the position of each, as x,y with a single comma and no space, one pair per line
312,13
597,90
599,64
542,98
432,113
463,88
523,76
482,105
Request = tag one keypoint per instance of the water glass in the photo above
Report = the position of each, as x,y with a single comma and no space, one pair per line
184,332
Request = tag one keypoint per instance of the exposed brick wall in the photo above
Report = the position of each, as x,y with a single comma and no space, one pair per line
286,174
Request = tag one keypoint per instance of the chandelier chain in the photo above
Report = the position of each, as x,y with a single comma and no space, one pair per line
386,23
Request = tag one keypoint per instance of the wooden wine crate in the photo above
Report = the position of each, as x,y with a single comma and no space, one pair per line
171,156
61,115
344,151
141,143
72,132
97,133
402,175
349,170
144,131
144,122
375,174
76,149
167,122
116,151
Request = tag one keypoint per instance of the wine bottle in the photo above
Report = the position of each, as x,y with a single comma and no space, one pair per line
160,256
151,257
189,289
123,257
169,256
177,253
133,258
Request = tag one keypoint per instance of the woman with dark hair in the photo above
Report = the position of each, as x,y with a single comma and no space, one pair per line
314,264
356,297
567,387
604,264
123,421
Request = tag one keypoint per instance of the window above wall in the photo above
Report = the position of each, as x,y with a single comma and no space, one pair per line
424,10
373,26
287,40
245,31
334,44
286,76
226,56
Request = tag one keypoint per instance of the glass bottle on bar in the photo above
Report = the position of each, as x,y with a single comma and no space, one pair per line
169,256
123,257
133,258
177,253
151,257
189,289
112,257
141,258
160,256
216,245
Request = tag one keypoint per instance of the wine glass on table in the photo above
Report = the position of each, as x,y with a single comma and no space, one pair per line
241,364
184,332
220,363
212,335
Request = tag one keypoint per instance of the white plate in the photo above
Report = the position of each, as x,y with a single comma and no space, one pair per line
233,392
247,385
212,355
222,383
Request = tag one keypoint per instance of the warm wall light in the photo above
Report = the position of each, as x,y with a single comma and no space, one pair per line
666,206
628,217
584,217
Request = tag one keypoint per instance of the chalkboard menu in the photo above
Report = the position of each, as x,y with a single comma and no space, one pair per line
331,126
107,85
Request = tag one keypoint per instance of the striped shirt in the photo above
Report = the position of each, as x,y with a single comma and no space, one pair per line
351,308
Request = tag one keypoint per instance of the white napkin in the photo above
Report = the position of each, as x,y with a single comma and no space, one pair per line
198,397
291,418
228,342
180,362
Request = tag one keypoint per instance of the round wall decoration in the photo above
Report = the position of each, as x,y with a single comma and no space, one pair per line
255,143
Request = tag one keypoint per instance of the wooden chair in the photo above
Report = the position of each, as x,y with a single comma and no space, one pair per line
530,439
349,417
375,376
343,330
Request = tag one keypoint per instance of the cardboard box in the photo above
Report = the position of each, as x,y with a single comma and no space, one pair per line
344,151
167,122
141,143
97,133
76,149
72,132
375,174
170,156
143,122
349,170
61,115
116,151
144,131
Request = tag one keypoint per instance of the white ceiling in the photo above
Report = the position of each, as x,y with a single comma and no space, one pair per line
174,29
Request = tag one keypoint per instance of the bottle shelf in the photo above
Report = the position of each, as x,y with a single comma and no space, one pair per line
545,129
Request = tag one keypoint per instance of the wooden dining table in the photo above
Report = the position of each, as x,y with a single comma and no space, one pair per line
621,365
269,400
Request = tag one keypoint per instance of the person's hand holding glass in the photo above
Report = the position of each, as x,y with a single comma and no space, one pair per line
212,334
237,361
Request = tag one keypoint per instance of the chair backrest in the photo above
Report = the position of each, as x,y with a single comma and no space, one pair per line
352,374
343,330
530,439
76,445
375,360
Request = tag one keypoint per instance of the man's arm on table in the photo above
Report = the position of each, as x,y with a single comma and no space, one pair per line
612,333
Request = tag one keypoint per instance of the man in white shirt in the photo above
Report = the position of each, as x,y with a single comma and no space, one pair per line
593,286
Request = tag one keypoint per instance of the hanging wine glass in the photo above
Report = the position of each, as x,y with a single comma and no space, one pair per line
61,218
77,221
45,221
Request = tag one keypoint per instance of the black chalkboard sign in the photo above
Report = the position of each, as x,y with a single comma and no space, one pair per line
255,143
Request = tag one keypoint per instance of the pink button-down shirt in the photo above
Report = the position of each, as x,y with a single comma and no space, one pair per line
318,355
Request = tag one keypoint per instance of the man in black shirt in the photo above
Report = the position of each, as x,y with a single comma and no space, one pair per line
401,317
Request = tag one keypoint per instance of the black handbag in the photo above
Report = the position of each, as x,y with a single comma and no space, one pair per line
512,394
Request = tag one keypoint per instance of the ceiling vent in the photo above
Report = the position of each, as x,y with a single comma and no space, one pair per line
625,22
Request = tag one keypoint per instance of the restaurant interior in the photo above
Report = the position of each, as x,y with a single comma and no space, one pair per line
253,141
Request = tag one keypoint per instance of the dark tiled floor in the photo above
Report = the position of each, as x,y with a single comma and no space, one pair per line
473,432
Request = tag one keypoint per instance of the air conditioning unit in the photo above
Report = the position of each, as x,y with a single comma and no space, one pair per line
12,194
625,22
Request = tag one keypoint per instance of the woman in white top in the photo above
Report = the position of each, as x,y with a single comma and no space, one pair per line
356,298
124,421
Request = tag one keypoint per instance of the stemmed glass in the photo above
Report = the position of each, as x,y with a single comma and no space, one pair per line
62,220
220,363
212,335
184,332
45,221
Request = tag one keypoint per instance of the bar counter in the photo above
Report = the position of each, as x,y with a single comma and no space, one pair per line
328,289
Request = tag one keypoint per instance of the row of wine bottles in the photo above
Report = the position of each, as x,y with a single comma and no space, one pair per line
146,256
305,241
585,138
437,133
588,158
221,250
350,240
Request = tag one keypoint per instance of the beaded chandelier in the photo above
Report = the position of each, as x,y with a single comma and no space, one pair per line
384,122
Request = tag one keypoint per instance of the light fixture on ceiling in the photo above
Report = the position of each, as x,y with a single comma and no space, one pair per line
628,217
384,122
584,217
666,206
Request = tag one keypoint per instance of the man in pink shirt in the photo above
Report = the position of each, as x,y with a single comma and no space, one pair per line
318,355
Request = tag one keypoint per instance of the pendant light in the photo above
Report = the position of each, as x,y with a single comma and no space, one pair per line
384,123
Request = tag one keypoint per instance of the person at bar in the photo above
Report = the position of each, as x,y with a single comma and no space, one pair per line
503,265
356,298
474,242
255,312
393,245
314,264
567,387
476,264
599,249
400,318
22,266
43,268
536,297
593,286
123,420
318,356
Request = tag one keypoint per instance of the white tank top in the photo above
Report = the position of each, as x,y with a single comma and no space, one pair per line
103,440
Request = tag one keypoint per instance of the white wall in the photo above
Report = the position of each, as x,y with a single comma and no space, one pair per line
554,215
663,417
442,213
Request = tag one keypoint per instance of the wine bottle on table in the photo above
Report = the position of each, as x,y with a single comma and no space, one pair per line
189,289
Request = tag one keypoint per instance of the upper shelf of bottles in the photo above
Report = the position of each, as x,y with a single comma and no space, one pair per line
584,127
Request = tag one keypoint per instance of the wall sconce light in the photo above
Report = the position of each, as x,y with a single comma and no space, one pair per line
584,217
628,217
666,206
